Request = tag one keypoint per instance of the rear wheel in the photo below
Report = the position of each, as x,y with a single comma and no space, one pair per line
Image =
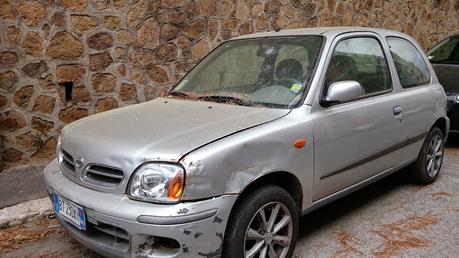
264,224
426,168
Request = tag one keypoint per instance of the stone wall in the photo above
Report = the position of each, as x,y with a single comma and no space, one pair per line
114,53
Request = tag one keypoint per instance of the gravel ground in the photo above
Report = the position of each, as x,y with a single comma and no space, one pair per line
391,218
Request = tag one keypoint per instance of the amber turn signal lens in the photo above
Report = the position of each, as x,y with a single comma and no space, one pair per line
300,143
175,187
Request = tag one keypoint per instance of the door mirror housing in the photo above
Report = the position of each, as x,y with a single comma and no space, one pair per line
342,91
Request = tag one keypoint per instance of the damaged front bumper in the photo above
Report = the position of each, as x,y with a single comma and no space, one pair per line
117,226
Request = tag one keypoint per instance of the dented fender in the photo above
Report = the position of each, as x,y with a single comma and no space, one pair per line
229,165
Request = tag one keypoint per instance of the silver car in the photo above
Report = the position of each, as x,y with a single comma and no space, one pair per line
266,128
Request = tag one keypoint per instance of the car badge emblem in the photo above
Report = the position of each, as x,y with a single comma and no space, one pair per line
79,162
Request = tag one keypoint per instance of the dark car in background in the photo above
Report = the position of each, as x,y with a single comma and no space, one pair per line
445,60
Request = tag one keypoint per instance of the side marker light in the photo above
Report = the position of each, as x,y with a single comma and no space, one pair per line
299,143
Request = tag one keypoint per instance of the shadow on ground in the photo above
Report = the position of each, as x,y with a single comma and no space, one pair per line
332,212
453,141
336,210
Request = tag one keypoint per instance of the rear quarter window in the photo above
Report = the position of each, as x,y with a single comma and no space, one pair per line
411,68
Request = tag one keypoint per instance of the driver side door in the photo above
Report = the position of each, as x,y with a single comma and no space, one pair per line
361,138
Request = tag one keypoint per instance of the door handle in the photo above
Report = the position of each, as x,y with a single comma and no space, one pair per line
397,110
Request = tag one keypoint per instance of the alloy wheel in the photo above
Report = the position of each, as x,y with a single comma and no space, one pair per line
270,232
434,157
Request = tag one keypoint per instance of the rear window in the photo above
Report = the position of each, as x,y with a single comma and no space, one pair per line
411,68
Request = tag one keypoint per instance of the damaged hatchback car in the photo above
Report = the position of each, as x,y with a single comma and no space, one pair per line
266,128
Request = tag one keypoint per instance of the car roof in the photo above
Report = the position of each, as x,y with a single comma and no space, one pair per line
453,36
325,31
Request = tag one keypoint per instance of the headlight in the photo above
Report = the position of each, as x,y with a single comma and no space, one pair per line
157,182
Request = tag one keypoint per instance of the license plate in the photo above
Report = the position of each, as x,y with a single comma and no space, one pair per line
70,211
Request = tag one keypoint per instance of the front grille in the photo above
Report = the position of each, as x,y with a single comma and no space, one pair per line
104,176
115,237
67,161
118,235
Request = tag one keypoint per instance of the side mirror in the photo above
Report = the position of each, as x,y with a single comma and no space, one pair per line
343,91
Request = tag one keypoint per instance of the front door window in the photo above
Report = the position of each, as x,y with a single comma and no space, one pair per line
362,60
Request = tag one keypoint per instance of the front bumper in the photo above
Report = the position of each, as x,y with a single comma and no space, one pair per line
120,227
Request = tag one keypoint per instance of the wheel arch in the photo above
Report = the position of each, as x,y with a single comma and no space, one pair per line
442,124
286,180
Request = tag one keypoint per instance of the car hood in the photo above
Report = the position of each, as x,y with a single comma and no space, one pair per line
163,129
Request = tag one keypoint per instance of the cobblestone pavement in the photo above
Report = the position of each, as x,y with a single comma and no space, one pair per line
391,218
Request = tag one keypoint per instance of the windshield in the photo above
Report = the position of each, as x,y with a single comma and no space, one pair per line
271,72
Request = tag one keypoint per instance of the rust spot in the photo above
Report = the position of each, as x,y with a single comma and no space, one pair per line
401,235
439,195
347,243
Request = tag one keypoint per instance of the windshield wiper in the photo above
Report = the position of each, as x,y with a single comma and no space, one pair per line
227,99
179,94
214,98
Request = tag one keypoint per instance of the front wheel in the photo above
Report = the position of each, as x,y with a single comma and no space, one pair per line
426,168
264,224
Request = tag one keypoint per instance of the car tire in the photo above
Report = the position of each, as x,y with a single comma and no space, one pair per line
239,239
427,167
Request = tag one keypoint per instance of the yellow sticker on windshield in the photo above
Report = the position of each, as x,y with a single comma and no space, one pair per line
296,87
